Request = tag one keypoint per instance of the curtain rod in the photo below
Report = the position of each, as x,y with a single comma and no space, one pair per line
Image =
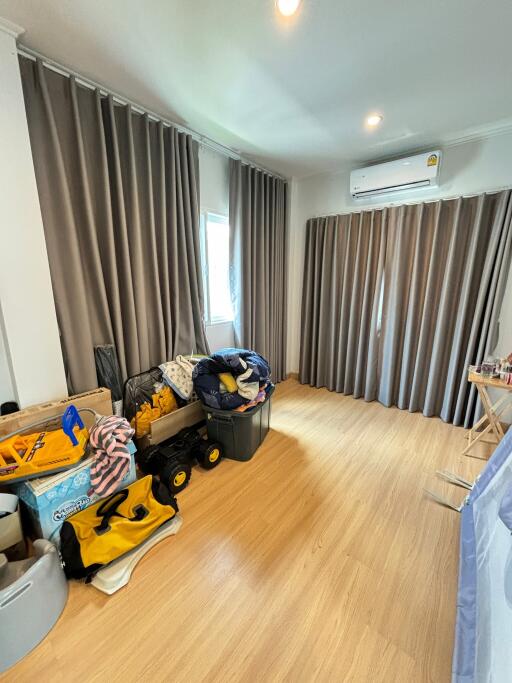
414,202
203,140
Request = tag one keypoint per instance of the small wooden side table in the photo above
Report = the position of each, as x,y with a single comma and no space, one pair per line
489,423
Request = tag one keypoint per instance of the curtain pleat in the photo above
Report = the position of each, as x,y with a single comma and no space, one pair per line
258,218
340,316
397,303
489,298
119,200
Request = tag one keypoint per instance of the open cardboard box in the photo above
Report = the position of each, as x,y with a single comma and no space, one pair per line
169,425
98,400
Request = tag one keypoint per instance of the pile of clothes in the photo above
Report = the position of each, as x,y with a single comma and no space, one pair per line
146,398
232,379
158,392
177,374
108,442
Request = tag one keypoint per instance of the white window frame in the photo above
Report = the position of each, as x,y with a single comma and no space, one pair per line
204,266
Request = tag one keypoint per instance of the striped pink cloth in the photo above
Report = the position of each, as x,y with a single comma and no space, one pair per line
108,440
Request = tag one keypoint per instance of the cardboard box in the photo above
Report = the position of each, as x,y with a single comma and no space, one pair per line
98,400
169,425
49,501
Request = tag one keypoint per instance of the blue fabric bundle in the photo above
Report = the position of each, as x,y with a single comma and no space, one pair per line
235,361
505,511
484,602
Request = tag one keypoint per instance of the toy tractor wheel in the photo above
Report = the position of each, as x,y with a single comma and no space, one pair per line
176,475
210,454
147,460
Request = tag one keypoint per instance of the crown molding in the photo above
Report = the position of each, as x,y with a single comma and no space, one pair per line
491,130
478,133
11,28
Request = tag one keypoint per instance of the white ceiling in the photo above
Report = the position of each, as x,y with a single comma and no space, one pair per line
292,95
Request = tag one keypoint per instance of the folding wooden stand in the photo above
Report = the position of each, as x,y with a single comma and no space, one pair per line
489,423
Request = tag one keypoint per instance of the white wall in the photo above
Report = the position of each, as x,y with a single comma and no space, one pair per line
29,321
214,191
298,214
467,168
214,181
6,385
220,336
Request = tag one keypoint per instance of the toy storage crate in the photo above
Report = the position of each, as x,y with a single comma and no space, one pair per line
240,434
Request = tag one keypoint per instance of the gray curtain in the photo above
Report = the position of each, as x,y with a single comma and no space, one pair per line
119,200
340,305
258,223
440,286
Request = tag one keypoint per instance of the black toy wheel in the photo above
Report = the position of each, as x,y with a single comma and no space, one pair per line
176,475
147,459
209,454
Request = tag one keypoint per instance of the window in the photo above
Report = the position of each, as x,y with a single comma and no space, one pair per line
215,254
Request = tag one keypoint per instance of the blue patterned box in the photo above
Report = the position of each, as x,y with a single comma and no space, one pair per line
49,501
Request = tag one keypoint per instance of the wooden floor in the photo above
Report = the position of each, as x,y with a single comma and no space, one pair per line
319,560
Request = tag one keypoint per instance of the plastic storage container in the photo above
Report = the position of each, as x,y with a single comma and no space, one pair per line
240,434
33,594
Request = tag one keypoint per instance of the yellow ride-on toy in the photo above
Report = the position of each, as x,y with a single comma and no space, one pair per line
25,456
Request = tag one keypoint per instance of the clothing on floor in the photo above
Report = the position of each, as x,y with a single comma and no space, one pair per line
177,374
228,382
164,402
261,396
108,439
246,388
252,368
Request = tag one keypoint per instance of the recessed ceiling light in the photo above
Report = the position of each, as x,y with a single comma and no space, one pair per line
288,7
373,120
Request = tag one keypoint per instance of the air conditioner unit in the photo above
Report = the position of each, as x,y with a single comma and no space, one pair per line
409,173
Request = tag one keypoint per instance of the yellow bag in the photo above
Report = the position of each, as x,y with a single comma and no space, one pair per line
112,527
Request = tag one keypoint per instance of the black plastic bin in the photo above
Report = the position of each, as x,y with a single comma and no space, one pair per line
240,434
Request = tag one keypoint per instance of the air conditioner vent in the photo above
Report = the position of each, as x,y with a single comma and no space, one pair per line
419,171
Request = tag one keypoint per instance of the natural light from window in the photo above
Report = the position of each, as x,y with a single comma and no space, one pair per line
216,250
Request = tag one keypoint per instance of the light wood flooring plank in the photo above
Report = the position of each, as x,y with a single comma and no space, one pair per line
319,560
